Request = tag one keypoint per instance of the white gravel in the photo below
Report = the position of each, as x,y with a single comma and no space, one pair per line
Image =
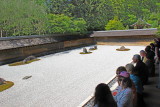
64,79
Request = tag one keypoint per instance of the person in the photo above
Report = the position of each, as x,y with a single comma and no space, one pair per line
118,71
152,47
150,65
138,83
143,56
141,68
124,97
103,96
149,51
157,55
2,81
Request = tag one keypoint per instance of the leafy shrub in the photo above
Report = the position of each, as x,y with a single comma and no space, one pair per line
114,24
22,17
158,32
64,24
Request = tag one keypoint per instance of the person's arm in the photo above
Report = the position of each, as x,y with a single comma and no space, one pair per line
125,99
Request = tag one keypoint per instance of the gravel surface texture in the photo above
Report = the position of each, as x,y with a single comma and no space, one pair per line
63,79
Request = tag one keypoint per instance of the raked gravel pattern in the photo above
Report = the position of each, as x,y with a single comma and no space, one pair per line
63,79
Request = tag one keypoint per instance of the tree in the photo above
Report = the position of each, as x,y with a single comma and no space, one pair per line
158,32
96,13
64,24
114,24
22,17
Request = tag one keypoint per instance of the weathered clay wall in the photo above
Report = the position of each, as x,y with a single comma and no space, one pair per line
22,41
19,53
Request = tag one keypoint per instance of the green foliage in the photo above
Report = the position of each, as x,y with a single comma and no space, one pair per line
64,24
154,20
127,27
96,13
22,17
158,32
114,24
26,17
135,27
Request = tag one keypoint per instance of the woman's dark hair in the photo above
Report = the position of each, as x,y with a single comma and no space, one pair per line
103,96
120,69
126,82
148,49
151,44
149,56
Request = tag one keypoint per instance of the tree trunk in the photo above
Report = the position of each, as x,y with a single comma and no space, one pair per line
1,33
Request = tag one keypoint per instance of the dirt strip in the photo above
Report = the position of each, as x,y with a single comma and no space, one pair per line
124,43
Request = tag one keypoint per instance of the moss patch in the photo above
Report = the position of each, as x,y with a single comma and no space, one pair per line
21,62
85,53
92,49
5,86
123,50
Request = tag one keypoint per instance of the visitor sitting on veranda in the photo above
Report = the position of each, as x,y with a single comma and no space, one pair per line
141,68
124,97
152,47
150,65
143,56
149,51
118,71
103,96
138,84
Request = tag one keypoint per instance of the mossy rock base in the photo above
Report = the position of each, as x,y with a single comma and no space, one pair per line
85,53
123,50
21,62
92,49
5,86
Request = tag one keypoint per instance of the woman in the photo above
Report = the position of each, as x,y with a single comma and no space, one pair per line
124,97
150,65
103,96
138,83
136,80
118,71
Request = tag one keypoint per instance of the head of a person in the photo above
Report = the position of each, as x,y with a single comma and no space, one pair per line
142,53
152,45
148,49
136,58
102,95
120,69
130,68
149,56
156,40
124,80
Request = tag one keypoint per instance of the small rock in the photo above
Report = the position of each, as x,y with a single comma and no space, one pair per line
26,77
85,50
29,58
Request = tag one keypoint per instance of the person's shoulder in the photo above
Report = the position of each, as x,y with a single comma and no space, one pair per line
128,89
96,105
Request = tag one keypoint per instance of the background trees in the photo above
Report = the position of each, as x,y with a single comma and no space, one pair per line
26,17
22,17
65,24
